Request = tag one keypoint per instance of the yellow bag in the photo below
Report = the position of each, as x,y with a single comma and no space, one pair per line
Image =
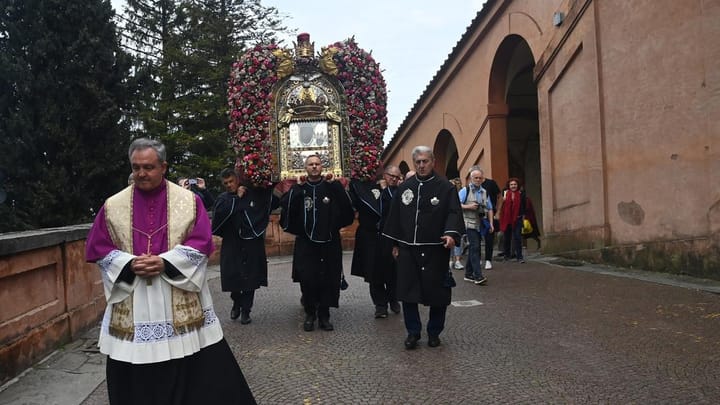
527,227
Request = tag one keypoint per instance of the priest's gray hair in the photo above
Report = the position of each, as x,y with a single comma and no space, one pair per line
421,149
144,143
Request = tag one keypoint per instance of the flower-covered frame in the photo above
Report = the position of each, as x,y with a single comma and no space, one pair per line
257,122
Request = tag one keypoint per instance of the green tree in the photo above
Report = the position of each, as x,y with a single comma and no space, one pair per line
183,52
62,90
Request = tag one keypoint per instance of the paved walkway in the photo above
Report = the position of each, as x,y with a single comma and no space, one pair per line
548,331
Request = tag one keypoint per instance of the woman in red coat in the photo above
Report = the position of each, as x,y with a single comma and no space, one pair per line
511,219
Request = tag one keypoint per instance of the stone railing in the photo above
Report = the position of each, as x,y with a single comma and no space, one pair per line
50,296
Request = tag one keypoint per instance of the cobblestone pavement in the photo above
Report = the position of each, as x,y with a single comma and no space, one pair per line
537,333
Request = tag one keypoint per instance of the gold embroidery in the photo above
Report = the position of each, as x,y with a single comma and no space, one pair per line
187,312
181,213
121,320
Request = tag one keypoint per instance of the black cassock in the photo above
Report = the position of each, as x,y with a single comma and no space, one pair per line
372,257
242,222
314,213
421,212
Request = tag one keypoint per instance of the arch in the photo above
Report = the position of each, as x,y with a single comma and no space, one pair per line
513,118
404,168
446,154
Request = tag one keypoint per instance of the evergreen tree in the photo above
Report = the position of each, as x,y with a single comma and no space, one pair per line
62,91
183,52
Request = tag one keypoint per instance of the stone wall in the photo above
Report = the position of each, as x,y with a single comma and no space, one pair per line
50,296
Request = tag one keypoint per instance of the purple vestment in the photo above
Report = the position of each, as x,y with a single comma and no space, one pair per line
149,214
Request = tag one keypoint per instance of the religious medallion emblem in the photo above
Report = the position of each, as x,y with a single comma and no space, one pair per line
326,200
434,201
407,197
376,193
308,203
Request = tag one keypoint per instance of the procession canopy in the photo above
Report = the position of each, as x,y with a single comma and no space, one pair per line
287,105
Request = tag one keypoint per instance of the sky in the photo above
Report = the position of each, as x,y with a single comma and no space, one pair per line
410,39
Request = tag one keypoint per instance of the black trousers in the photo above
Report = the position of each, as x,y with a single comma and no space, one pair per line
321,312
243,299
210,376
490,240
383,293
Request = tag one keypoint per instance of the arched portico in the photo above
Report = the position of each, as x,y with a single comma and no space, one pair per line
570,97
513,119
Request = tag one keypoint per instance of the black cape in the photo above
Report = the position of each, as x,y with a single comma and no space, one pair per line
242,222
314,213
421,212
372,256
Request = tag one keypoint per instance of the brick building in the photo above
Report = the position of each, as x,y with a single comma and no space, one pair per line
609,112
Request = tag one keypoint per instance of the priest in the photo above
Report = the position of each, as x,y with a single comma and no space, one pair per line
163,340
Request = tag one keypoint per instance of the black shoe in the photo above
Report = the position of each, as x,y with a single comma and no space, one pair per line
235,312
411,341
381,312
325,324
245,317
395,307
433,341
309,324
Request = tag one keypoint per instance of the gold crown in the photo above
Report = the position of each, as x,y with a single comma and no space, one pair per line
304,48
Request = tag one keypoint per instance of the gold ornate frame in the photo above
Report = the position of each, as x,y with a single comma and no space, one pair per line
308,119
292,155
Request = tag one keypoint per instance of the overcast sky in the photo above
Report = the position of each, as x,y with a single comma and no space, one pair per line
409,38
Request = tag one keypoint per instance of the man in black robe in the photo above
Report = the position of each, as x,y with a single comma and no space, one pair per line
425,222
241,217
314,210
372,257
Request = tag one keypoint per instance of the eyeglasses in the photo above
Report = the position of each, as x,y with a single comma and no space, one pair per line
392,176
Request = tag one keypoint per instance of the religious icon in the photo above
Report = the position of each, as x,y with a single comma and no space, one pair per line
308,134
